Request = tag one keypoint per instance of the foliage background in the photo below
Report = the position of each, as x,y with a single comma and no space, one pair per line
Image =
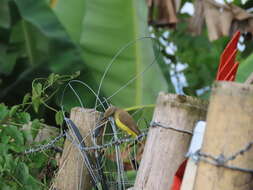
41,37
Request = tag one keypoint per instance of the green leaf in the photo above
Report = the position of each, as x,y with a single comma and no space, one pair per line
13,110
70,20
36,96
5,139
4,186
3,111
36,101
31,43
52,78
63,53
24,117
59,118
9,163
3,149
16,134
37,90
36,125
117,32
104,31
22,173
26,98
245,69
17,148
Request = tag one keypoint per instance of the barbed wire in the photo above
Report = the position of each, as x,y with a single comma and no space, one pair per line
221,160
116,142
158,124
47,146
50,144
106,145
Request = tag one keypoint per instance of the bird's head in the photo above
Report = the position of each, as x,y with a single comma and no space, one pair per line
109,112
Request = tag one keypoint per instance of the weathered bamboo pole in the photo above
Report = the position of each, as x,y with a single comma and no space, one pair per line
229,129
165,149
72,173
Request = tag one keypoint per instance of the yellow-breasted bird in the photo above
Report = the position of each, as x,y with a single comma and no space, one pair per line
123,120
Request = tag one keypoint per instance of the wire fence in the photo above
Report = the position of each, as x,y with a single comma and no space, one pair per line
119,157
119,168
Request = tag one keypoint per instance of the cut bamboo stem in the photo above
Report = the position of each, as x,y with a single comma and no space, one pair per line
72,173
165,149
229,129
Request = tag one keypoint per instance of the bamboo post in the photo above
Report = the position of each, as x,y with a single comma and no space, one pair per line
229,129
165,149
72,173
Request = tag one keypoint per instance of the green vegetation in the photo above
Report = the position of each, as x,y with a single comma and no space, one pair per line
44,46
18,170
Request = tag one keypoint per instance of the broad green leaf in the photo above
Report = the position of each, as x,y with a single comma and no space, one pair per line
71,20
104,32
245,69
107,26
64,54
31,42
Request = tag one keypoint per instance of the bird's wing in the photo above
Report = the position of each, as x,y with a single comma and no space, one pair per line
129,121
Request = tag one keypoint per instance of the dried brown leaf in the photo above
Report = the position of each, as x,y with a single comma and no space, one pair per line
221,19
166,12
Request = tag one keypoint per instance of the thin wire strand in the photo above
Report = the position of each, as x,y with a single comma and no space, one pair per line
136,76
78,97
85,85
158,124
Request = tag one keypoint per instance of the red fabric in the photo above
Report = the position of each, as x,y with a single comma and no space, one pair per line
178,178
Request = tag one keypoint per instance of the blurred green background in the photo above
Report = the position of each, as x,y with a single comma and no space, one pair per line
38,38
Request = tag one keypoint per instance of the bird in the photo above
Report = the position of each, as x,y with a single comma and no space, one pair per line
123,120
